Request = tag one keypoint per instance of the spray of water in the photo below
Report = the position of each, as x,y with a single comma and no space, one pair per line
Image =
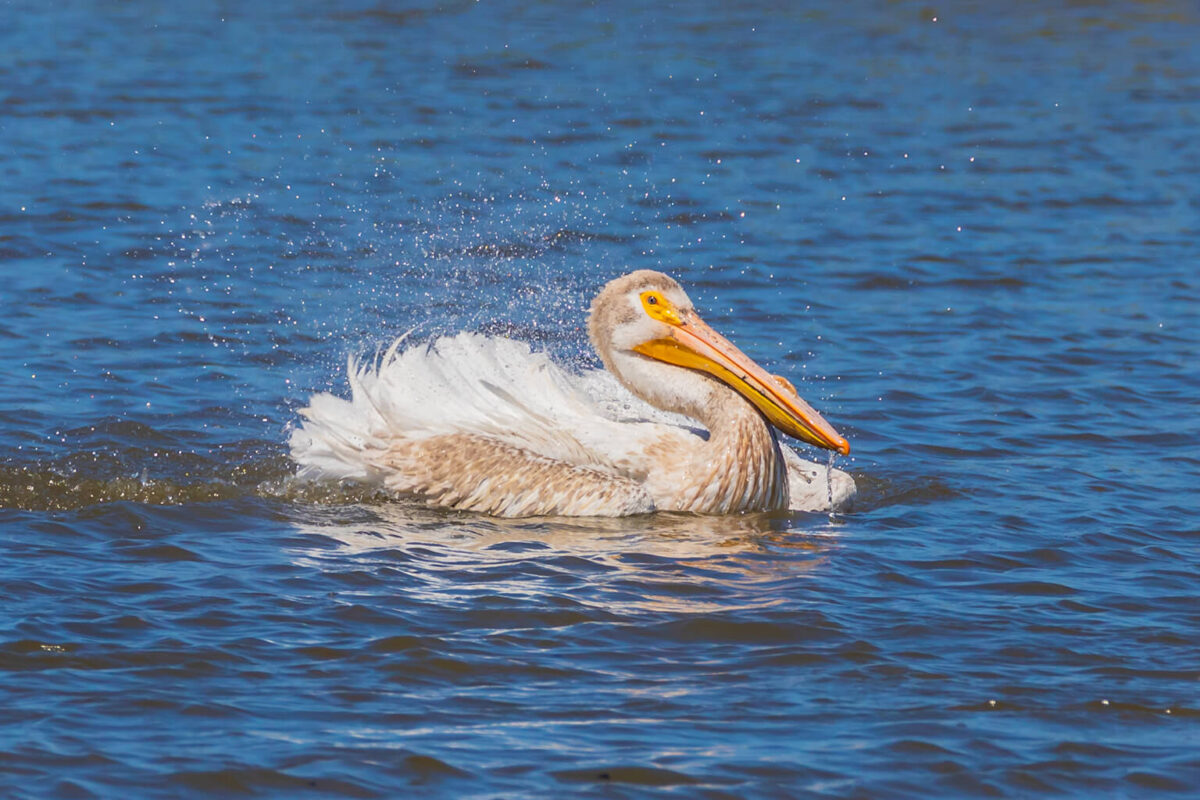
829,485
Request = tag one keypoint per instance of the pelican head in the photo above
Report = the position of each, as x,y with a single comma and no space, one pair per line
644,320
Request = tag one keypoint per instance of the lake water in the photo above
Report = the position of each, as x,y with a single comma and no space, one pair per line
967,232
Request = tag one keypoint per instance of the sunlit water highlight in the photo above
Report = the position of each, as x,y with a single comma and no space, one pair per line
971,243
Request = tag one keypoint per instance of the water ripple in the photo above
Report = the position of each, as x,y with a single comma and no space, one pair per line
970,242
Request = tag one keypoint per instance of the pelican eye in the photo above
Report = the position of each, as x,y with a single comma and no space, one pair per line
660,308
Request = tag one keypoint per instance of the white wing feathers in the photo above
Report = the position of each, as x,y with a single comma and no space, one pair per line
468,384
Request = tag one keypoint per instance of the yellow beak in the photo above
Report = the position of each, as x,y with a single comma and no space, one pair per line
692,343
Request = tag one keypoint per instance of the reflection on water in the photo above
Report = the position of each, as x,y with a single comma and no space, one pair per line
673,562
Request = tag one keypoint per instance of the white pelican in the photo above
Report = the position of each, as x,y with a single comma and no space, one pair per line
486,425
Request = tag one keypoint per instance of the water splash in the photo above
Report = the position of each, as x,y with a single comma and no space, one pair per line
829,485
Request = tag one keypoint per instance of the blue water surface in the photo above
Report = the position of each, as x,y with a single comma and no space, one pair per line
967,232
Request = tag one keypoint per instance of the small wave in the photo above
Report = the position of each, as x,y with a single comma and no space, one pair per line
631,774
568,236
32,489
876,491
497,68
247,780
687,218
60,486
